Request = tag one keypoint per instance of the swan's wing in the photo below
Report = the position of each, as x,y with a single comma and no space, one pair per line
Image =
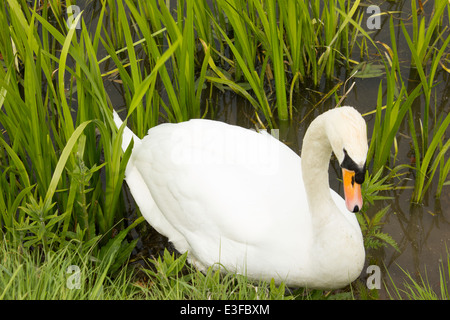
141,193
224,187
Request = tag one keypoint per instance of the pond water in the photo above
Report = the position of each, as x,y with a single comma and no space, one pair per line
422,232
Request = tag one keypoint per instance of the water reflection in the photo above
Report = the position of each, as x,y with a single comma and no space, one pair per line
422,233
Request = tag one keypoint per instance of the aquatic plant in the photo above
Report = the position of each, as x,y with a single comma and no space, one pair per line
303,42
429,150
417,287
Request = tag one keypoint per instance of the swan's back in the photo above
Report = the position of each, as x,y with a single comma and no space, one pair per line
232,194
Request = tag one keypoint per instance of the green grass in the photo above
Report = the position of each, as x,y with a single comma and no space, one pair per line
74,273
418,287
69,273
171,278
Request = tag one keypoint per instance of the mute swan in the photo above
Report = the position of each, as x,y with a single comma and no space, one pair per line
243,199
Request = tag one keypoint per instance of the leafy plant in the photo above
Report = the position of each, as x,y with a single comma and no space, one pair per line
370,227
374,238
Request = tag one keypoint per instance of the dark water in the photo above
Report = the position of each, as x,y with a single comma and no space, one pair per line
422,232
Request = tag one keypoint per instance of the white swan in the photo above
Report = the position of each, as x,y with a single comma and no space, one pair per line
243,199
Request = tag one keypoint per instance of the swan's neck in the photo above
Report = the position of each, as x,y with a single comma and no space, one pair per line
316,153
334,238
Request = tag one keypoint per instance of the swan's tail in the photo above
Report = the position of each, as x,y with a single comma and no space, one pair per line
142,195
127,133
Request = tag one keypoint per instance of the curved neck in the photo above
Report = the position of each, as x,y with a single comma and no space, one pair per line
316,153
336,237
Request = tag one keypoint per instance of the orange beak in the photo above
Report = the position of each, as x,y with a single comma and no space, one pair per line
352,191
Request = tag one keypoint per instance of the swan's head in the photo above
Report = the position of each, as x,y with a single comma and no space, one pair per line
347,134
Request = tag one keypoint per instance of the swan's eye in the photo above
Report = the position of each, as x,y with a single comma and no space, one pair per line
349,164
361,175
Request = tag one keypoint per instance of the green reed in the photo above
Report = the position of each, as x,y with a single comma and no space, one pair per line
395,104
427,46
142,75
62,172
426,36
286,39
268,44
